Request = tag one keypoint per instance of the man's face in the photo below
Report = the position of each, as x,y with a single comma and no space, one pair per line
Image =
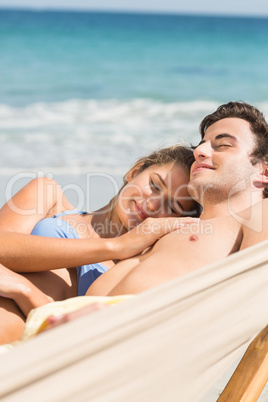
222,164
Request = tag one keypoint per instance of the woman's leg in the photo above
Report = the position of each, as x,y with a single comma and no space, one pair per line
12,321
58,285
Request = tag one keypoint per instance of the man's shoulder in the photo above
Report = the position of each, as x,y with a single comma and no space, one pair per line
260,210
255,229
265,202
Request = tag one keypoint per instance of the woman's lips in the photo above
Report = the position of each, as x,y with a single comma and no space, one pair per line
140,211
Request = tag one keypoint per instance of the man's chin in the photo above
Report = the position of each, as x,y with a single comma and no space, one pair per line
198,187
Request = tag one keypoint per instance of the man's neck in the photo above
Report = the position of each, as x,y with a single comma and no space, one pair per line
231,206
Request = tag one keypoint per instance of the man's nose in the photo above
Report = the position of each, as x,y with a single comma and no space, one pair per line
203,151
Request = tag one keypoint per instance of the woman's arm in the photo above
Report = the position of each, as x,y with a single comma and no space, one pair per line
40,198
29,253
23,292
43,197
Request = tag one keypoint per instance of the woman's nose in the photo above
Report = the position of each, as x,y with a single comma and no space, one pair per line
153,205
202,151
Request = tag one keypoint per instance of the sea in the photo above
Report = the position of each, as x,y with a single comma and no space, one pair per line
92,91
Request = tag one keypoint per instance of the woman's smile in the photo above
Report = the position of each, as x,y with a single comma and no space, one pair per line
140,211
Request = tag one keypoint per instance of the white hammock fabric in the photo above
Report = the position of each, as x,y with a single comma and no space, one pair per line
168,344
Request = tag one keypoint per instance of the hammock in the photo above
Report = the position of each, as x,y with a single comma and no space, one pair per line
170,343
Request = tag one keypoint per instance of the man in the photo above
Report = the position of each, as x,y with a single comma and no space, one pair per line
229,179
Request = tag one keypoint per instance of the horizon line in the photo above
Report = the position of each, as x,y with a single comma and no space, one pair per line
133,11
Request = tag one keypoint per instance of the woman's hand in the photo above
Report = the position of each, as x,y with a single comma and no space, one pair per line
146,234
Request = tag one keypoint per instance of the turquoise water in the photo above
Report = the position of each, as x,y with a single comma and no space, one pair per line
82,90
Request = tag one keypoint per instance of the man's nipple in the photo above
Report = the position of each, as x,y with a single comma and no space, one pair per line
193,238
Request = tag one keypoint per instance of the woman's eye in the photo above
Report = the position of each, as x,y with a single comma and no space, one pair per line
154,186
172,209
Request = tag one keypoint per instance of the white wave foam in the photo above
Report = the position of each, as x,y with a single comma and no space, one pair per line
78,134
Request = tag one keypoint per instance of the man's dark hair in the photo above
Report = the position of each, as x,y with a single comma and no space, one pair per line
258,126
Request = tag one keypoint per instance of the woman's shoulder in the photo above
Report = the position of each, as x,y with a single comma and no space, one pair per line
54,226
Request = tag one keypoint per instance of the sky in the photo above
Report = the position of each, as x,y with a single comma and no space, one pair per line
226,7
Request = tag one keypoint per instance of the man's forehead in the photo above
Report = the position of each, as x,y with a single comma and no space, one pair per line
232,127
221,136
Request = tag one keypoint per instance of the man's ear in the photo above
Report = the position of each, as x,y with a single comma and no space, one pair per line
132,173
261,178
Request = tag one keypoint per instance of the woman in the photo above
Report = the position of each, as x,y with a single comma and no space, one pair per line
155,187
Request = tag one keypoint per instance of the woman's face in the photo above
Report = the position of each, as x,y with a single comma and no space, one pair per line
158,191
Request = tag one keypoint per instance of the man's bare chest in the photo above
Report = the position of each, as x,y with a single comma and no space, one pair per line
200,243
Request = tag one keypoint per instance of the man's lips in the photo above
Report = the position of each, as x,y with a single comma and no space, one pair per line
142,214
201,166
